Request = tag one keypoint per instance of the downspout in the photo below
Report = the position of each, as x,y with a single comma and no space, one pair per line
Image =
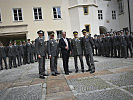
129,16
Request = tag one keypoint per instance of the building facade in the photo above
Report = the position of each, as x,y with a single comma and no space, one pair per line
21,19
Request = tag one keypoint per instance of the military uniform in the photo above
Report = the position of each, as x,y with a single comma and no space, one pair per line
11,56
41,53
123,46
53,51
2,56
29,50
21,53
87,44
77,52
129,44
25,53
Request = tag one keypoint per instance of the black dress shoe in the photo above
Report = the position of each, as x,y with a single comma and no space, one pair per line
92,72
88,70
54,74
1,68
45,74
57,73
67,73
70,71
42,77
6,68
83,70
76,71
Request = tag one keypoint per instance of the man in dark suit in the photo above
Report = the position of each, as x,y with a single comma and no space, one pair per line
87,44
21,52
65,46
41,53
2,56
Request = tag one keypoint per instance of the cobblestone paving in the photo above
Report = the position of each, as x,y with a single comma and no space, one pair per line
111,81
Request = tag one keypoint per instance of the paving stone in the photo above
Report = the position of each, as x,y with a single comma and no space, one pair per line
56,83
119,79
119,70
59,95
114,94
104,72
37,81
24,83
58,89
23,93
88,84
78,75
5,85
130,89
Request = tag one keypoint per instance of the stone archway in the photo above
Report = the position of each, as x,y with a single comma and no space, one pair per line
103,30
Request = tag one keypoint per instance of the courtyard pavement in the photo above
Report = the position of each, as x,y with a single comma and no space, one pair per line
113,80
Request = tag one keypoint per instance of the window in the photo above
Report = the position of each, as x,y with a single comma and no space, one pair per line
113,15
17,14
0,17
121,7
100,14
85,10
87,27
57,13
37,13
59,34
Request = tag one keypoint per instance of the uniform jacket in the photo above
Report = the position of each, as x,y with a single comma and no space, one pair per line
40,47
76,46
53,47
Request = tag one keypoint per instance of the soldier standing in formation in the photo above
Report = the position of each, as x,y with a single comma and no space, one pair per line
2,56
77,51
116,44
53,51
41,53
87,44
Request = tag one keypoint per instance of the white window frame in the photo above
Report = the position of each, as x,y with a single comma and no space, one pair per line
57,12
101,15
37,13
0,15
17,15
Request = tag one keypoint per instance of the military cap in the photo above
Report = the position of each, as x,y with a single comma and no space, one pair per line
75,32
40,32
95,35
52,33
84,31
28,39
10,42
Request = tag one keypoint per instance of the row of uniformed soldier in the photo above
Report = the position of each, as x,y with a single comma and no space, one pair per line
117,44
78,47
17,54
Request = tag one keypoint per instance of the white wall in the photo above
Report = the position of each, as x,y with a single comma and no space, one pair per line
107,7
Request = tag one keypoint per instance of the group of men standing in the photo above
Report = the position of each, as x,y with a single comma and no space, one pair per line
78,47
117,44
17,55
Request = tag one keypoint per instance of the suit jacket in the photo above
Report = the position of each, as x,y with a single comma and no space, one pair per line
40,47
62,45
53,47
